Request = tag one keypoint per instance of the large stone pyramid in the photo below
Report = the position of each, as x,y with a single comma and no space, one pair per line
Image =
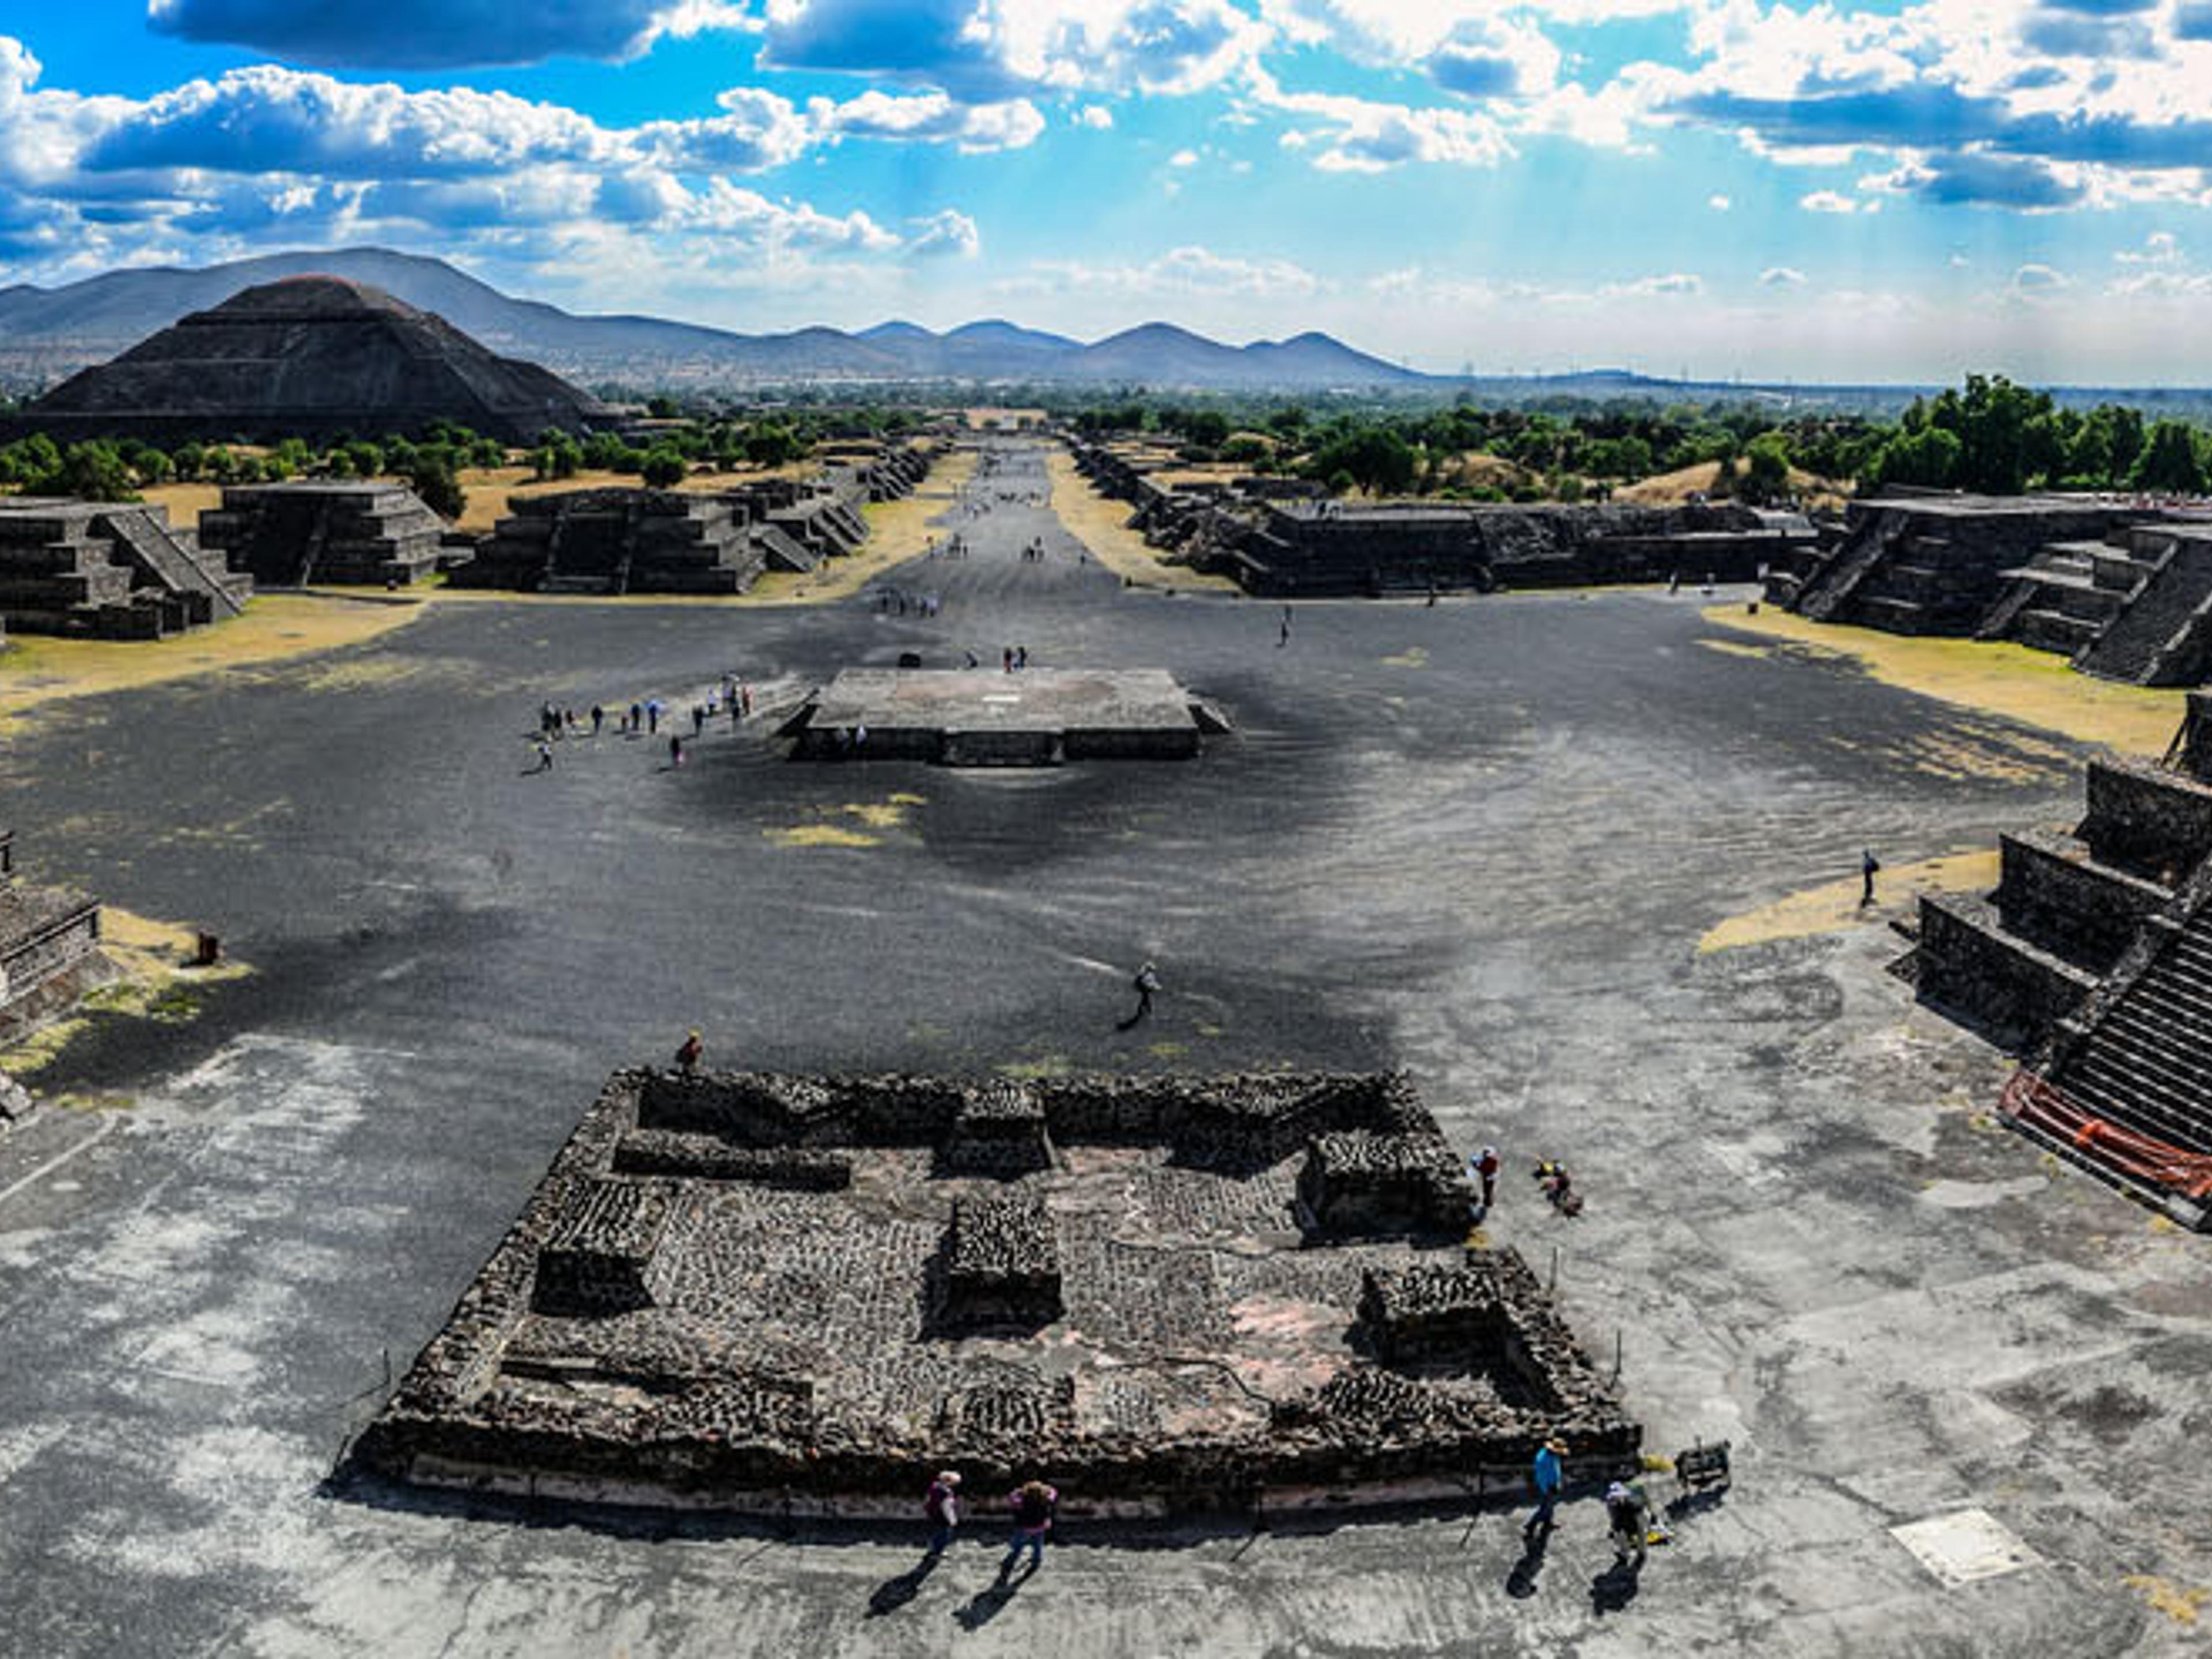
310,356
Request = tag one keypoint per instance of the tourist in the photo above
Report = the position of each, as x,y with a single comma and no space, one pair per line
1628,1516
653,716
1147,981
687,1057
1021,656
698,719
1559,1188
1009,655
940,1506
676,748
637,716
1870,866
544,756
1545,1477
1483,1166
1033,1503
599,718
745,698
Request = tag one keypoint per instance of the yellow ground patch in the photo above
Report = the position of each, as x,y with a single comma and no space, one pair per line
821,835
158,983
1834,906
830,832
1413,656
1101,523
1737,648
2180,1605
184,501
2034,688
276,628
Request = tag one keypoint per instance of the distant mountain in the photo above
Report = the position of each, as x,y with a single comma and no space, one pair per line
47,331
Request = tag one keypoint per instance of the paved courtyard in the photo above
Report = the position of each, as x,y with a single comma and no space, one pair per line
1479,840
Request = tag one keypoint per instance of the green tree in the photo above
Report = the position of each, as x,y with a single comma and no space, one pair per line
1765,469
663,468
434,479
2172,460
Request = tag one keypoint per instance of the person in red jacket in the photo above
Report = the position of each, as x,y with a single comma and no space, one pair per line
687,1057
1034,1504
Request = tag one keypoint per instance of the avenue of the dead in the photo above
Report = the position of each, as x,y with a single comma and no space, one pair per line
1478,841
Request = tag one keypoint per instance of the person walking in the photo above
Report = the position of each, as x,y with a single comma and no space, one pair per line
1033,1503
544,757
1545,1477
1483,1166
676,748
1628,1517
940,1507
1284,638
599,718
687,1057
1147,982
1870,866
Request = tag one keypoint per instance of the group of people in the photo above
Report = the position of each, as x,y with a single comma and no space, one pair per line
1631,1523
642,719
1030,1506
896,601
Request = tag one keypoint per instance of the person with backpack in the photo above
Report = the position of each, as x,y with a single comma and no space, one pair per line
940,1507
1147,982
1033,1503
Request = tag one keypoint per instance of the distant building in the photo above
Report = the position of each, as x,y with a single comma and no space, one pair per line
310,356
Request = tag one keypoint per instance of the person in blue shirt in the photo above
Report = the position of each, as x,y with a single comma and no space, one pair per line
1547,1476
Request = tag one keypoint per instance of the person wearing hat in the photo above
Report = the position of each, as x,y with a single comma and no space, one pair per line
940,1506
687,1057
1547,1476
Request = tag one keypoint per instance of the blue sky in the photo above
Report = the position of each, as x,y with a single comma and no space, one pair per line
1778,191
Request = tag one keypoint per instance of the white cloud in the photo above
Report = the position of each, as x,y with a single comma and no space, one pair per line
2034,280
2161,247
1829,200
1183,158
1781,276
929,118
1719,203
1358,135
1190,271
946,234
1096,117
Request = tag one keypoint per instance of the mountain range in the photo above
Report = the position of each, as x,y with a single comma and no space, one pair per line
44,332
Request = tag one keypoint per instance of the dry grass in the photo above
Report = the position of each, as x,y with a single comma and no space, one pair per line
1674,488
157,982
1834,906
276,628
2034,688
185,501
1101,523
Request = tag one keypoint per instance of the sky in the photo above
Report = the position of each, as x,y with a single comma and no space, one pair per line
1721,188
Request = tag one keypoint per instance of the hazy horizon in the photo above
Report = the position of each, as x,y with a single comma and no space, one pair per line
1715,190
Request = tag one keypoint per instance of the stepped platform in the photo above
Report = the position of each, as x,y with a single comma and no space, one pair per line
983,717
603,541
1167,1296
107,570
345,534
47,933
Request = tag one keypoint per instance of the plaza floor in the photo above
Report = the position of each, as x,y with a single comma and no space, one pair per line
1480,840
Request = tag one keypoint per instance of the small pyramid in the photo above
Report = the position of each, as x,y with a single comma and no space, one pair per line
311,356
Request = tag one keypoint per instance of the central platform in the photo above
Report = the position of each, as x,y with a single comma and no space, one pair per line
984,717
765,1292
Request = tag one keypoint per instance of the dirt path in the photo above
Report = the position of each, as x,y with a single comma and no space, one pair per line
1101,523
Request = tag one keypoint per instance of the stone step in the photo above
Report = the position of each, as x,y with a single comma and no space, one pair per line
2143,1098
2125,1103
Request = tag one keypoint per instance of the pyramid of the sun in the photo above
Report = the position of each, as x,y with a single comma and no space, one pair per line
310,356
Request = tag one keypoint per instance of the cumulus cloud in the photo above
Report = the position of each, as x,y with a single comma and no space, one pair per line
946,234
1096,117
435,34
1719,203
984,50
2035,280
1188,270
929,118
1358,135
1829,200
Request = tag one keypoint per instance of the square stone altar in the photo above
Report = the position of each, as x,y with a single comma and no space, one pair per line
986,717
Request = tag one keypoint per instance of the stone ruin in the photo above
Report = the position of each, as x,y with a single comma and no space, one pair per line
985,717
112,570
2121,588
782,1294
2092,958
49,940
1283,538
615,541
288,535
622,539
